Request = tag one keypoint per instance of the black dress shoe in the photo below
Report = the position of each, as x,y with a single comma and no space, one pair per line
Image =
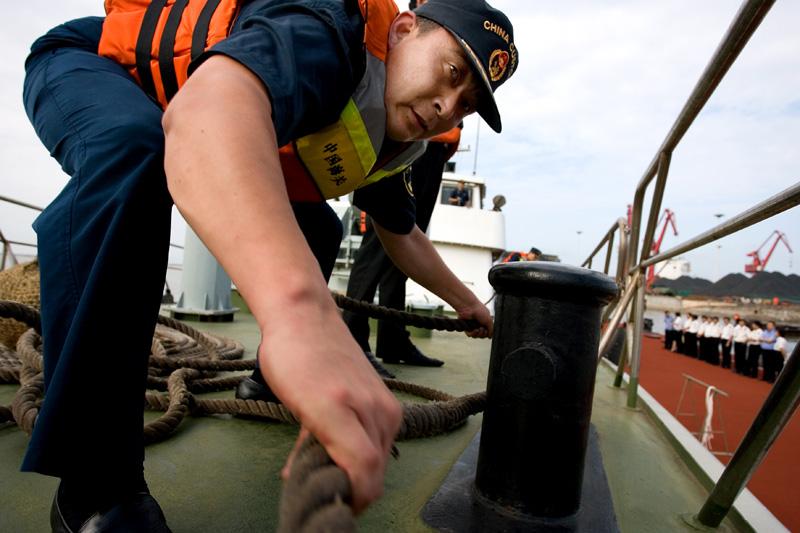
137,513
411,357
379,368
255,388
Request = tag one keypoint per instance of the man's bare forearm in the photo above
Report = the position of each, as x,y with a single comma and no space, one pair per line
225,177
415,255
224,174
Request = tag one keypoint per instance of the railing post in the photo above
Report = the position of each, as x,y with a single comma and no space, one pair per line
635,346
540,387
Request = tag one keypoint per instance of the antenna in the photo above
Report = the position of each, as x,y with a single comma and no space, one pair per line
477,138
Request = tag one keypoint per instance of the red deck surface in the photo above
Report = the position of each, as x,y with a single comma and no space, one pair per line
777,481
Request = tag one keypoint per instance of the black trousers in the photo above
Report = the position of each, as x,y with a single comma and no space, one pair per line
753,354
690,344
770,364
702,344
678,335
712,350
740,353
726,353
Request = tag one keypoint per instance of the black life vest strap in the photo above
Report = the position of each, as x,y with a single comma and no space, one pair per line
144,44
166,49
201,28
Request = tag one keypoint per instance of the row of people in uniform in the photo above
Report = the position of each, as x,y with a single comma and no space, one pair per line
712,341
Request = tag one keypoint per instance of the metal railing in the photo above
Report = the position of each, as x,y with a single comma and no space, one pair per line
7,251
784,398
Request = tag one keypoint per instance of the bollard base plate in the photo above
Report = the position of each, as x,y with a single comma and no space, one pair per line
455,507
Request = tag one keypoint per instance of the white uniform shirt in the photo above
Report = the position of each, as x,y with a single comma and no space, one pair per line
780,347
678,324
727,331
701,330
754,337
740,334
713,331
693,326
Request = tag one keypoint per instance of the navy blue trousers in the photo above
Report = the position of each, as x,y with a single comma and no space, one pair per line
103,249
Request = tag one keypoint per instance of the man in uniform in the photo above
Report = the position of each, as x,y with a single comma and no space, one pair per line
278,73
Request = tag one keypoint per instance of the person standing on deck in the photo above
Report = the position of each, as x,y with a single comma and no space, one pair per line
753,349
713,333
373,270
278,76
768,353
726,337
702,340
677,326
690,335
741,335
669,329
780,348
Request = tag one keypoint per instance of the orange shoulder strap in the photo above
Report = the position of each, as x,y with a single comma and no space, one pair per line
379,15
452,136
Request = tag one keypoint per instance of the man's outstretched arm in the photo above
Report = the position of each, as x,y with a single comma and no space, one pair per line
224,175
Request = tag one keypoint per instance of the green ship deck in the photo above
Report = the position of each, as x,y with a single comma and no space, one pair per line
222,474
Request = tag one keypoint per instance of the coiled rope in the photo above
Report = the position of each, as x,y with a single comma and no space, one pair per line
184,362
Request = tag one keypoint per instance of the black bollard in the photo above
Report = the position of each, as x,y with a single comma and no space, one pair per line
540,387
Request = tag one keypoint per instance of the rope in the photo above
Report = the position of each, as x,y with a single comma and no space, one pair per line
409,319
316,494
707,434
185,361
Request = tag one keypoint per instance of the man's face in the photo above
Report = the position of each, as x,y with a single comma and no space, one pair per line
430,86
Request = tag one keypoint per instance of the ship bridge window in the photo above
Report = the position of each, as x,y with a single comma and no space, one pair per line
447,190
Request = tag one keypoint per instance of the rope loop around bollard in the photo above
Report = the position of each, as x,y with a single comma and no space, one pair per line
317,492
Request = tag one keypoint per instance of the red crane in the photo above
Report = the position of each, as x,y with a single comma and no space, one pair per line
757,266
668,217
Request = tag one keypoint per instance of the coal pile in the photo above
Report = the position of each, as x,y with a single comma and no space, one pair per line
727,284
764,285
684,285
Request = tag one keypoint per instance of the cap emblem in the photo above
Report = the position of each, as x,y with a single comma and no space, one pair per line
497,64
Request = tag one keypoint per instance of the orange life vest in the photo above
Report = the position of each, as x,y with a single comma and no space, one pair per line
156,40
522,257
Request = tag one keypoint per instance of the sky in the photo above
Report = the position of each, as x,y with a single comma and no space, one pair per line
598,88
